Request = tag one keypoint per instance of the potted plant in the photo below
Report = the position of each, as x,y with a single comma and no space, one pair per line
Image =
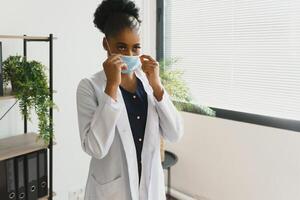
174,84
30,86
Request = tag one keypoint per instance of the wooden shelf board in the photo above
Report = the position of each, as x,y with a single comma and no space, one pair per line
20,144
7,94
46,197
25,37
10,96
7,97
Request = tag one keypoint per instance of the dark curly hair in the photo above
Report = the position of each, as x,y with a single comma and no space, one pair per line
112,16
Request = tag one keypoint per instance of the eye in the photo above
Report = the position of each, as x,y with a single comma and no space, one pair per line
136,48
121,48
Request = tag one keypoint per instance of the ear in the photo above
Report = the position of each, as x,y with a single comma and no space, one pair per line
104,44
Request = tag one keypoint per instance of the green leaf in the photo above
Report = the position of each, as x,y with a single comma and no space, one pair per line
30,86
173,82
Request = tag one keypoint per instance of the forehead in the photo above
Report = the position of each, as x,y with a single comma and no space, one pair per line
127,36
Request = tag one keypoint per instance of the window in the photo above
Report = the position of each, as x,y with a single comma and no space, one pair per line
238,56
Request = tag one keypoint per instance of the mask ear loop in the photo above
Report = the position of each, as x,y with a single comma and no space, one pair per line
109,52
108,48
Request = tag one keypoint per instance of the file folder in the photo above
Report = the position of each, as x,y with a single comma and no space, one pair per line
7,180
20,178
31,175
42,173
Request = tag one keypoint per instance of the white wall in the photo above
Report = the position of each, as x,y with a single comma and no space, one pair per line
78,53
228,160
218,159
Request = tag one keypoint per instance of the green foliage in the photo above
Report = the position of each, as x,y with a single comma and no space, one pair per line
173,82
30,86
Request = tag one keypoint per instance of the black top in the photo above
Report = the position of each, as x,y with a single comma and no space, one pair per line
136,106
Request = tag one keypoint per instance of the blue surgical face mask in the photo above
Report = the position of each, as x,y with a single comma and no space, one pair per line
132,62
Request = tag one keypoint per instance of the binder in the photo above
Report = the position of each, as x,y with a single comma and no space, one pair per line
20,178
1,72
42,173
7,180
31,175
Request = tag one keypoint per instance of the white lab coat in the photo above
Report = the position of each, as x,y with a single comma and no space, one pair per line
106,135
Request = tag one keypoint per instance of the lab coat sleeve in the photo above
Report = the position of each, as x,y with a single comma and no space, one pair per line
97,121
170,120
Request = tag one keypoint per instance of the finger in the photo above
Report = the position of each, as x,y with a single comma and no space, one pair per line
118,62
108,48
121,65
114,57
143,68
150,62
147,68
151,66
147,57
146,72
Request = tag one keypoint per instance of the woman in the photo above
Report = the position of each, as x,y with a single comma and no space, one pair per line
122,111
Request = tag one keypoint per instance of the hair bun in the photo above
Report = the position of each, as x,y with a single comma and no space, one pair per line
110,7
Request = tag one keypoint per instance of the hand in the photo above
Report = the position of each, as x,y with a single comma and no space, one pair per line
112,67
151,68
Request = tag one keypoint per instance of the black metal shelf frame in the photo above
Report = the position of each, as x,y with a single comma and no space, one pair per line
26,40
50,146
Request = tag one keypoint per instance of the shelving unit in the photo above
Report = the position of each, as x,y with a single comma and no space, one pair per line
25,143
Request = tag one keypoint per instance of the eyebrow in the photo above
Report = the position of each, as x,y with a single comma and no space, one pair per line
122,43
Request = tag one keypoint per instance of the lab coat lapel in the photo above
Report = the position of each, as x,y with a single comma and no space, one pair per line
124,129
148,138
151,139
125,132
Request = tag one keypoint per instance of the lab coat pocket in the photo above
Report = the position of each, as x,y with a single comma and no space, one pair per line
111,190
